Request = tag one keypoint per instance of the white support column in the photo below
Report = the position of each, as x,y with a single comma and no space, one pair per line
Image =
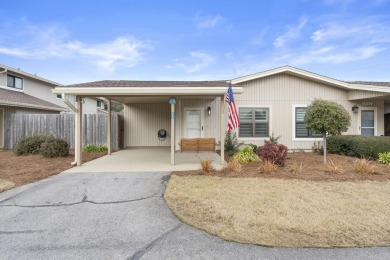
223,129
78,131
172,134
109,126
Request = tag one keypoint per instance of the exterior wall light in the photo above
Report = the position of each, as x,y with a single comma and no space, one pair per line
209,111
355,109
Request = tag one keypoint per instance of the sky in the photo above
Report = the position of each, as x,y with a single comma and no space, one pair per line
88,40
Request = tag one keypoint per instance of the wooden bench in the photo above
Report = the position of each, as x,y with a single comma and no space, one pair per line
197,144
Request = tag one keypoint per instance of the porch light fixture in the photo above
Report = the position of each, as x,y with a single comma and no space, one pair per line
209,111
172,100
355,109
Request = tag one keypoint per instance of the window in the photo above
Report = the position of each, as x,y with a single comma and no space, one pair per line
254,122
14,82
300,129
99,103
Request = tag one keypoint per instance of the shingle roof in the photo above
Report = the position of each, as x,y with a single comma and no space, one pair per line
15,97
386,84
140,84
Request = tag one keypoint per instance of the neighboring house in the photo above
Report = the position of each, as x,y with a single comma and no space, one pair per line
269,102
25,93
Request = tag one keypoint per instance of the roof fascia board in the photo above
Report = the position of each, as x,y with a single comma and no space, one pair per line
313,76
16,104
102,91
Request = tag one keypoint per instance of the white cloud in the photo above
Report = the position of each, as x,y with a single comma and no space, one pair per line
197,61
41,43
292,33
208,22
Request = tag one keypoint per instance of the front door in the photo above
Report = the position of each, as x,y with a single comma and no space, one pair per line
194,127
1,128
367,121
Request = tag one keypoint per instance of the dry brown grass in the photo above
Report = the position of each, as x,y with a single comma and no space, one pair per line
268,167
6,185
284,213
295,168
234,165
364,166
336,168
206,165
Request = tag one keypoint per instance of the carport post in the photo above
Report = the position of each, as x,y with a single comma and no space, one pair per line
109,126
172,133
222,129
78,130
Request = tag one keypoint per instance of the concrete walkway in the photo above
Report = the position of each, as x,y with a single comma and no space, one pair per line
120,216
147,159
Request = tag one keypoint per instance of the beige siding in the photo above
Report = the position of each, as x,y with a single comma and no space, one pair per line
281,92
142,121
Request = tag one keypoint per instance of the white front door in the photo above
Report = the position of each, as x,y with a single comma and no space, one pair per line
193,121
367,118
1,128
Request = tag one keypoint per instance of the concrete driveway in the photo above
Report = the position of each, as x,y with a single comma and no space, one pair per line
120,216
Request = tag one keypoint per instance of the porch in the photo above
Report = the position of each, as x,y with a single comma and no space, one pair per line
142,159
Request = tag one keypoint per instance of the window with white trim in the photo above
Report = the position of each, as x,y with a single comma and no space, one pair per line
254,122
300,130
14,82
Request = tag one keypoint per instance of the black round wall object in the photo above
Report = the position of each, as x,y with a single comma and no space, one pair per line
162,134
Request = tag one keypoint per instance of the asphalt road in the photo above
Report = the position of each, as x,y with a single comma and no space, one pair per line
120,216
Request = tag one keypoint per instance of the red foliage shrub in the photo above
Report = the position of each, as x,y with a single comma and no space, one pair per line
276,153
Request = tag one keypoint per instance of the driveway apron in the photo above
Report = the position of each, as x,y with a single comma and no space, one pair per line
120,216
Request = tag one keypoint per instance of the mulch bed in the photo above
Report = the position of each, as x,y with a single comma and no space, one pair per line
313,169
30,168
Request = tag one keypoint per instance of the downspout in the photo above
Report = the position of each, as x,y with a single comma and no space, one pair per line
67,102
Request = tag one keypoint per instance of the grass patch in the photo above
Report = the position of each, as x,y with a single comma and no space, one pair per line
6,185
284,213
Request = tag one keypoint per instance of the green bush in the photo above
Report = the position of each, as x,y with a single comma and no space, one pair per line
358,146
231,144
29,144
90,148
246,155
384,158
54,147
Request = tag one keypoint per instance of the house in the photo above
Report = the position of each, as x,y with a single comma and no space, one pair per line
268,102
25,93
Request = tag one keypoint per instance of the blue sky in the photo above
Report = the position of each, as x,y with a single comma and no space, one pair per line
80,41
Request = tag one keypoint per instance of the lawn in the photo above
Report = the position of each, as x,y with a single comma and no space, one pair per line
312,208
18,170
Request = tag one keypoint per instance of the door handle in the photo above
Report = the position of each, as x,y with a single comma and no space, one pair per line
202,128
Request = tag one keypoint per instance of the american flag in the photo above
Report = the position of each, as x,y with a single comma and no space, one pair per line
234,120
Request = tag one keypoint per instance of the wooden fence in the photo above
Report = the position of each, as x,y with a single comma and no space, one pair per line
63,126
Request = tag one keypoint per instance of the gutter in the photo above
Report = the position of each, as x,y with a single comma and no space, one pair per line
75,110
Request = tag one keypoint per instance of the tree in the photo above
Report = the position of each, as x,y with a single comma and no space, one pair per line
115,106
327,117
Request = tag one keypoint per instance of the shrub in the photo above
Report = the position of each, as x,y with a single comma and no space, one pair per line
54,147
206,165
254,147
90,148
316,147
274,139
29,144
384,158
364,166
234,165
296,168
332,167
246,155
231,144
359,146
268,167
276,153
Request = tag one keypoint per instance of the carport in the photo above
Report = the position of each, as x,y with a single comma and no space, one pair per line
144,91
